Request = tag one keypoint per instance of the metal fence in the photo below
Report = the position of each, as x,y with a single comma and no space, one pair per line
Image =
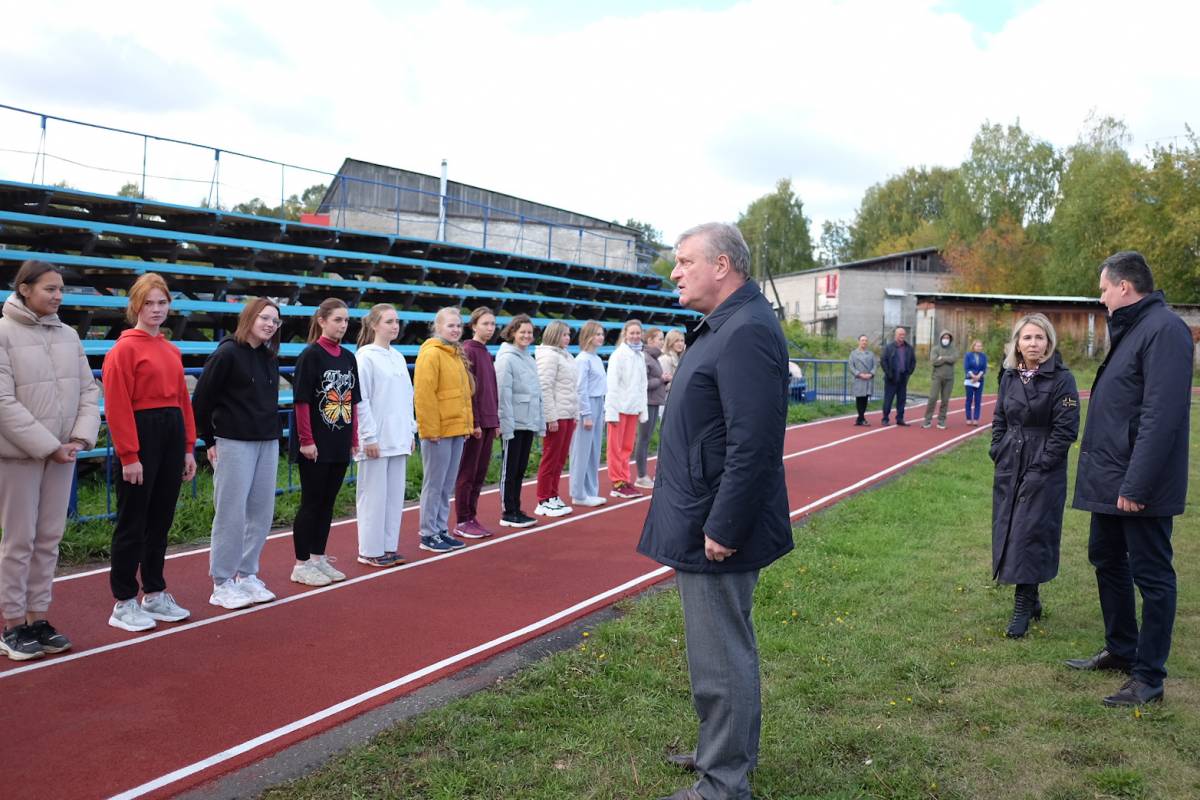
48,149
822,379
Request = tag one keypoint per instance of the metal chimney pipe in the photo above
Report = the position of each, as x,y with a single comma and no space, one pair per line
441,233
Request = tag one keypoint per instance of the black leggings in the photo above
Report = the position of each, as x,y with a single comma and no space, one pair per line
861,404
319,487
512,473
145,511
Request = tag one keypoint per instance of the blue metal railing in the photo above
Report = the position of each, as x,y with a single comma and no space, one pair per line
533,235
823,379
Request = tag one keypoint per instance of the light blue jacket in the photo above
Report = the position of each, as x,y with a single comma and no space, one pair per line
520,391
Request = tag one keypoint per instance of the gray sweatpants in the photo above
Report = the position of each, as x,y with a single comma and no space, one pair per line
440,460
244,505
33,515
585,453
722,655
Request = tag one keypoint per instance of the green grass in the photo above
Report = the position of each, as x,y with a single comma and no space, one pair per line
885,675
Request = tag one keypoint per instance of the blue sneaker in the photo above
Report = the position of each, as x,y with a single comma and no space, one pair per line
435,544
455,544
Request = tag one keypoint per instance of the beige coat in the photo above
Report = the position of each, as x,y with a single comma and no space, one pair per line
47,394
559,377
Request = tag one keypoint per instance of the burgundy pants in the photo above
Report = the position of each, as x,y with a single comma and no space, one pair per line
472,472
555,448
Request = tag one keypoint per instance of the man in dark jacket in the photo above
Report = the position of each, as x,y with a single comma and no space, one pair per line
720,509
1133,474
898,363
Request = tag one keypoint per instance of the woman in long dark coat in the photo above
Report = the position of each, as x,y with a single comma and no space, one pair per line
1035,421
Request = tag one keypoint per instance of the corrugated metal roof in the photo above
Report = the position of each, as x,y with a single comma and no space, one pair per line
1007,298
866,262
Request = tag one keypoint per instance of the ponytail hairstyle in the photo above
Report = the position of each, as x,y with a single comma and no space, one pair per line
438,319
30,273
629,323
366,333
327,307
140,291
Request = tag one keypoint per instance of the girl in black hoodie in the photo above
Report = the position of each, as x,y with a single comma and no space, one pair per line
236,406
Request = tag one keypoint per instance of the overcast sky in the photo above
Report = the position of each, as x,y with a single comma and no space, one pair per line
671,112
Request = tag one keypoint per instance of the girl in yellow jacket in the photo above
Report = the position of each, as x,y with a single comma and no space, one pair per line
442,390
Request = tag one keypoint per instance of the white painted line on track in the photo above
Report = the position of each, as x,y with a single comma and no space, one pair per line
370,694
473,548
872,478
196,551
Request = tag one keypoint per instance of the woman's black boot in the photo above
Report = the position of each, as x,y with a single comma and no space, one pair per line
1037,603
1023,603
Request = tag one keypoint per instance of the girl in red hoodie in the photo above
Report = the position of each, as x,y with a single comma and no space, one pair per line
151,428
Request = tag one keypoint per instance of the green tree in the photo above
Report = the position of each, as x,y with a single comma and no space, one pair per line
1011,174
650,234
1166,223
777,232
893,211
305,203
130,189
835,245
1099,196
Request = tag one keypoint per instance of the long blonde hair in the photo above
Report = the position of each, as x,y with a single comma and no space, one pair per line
629,323
458,348
553,333
1012,356
589,329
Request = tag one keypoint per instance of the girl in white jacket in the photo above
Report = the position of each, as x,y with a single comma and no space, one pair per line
560,403
625,405
386,426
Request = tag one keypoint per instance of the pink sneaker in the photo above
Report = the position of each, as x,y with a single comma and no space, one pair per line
471,529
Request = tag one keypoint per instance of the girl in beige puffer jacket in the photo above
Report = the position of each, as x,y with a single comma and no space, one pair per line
49,411
558,377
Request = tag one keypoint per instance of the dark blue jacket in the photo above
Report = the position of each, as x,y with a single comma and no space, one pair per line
974,362
1135,441
720,457
889,358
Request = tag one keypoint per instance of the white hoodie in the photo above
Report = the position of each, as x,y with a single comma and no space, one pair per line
385,414
626,385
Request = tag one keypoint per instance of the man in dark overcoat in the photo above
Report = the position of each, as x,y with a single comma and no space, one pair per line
898,363
720,511
1133,468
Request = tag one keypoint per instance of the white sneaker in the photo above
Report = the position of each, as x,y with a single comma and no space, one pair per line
548,508
255,589
589,502
309,575
325,565
128,616
558,503
229,595
644,482
163,607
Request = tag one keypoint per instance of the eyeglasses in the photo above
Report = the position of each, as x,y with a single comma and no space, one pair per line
274,322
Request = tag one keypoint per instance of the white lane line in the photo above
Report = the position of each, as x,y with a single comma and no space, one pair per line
181,628
256,609
871,478
281,534
311,719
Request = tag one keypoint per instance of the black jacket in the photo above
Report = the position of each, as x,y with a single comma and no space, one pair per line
720,457
237,396
889,355
1033,427
1135,442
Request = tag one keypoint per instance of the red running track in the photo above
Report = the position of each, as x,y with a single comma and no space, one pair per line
133,715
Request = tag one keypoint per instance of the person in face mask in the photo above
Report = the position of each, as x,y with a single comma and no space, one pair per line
942,356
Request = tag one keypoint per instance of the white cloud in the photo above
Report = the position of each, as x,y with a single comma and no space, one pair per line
672,116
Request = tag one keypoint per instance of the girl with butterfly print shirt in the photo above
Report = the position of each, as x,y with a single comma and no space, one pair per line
324,438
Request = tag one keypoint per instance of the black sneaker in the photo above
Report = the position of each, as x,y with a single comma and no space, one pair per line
20,644
517,519
51,640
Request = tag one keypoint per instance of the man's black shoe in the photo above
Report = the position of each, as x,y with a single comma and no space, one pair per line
1102,660
902,423
683,761
1134,693
885,422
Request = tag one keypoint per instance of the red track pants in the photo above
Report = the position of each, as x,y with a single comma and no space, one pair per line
555,447
621,435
